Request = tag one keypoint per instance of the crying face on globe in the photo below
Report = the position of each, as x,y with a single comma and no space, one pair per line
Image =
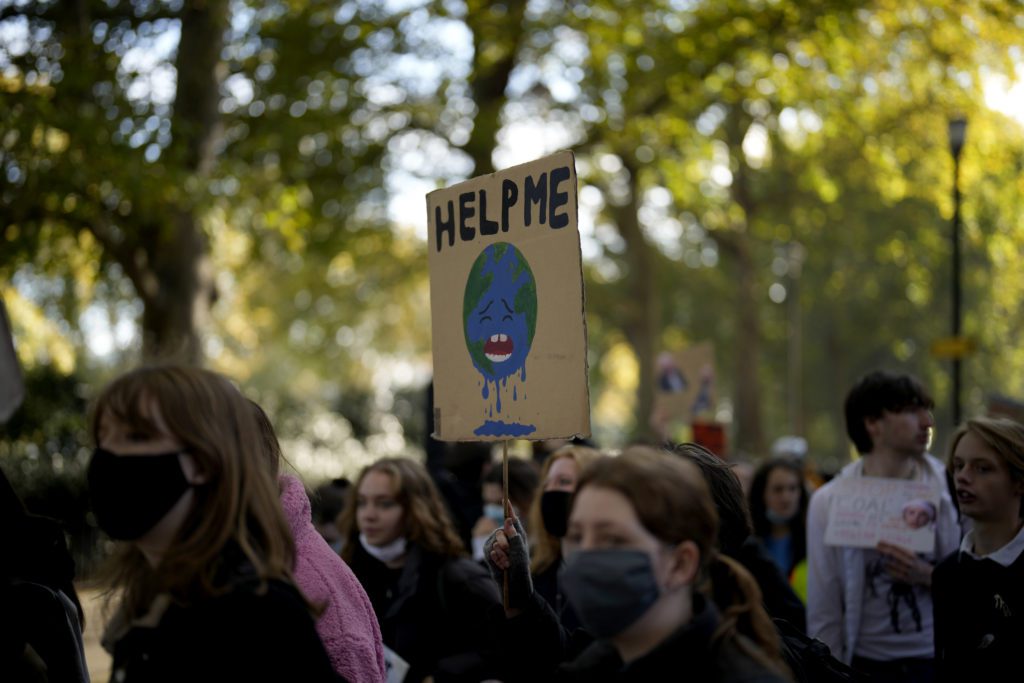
500,311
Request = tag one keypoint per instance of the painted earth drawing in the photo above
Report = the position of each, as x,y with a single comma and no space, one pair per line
499,313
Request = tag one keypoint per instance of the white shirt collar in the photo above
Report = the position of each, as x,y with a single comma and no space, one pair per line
1005,556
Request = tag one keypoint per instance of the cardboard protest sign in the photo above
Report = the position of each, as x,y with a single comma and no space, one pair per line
866,510
506,297
12,387
684,388
685,383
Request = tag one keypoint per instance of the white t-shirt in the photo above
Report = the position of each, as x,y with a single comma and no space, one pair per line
896,618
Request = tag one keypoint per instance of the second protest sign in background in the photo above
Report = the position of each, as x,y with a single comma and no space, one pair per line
506,295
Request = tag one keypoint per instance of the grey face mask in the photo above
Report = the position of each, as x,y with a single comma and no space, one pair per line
609,589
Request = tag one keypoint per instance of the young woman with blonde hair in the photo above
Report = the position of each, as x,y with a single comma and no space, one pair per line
439,611
205,557
639,555
978,592
549,519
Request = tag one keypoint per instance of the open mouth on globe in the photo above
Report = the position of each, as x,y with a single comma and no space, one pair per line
498,348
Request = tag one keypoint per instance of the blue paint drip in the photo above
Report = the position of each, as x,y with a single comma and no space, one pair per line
514,393
485,389
497,395
522,373
499,428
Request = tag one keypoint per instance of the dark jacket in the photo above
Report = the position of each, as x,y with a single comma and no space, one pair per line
40,616
979,618
690,653
546,584
442,615
248,634
779,598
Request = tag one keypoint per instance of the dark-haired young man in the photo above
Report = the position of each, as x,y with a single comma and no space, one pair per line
873,607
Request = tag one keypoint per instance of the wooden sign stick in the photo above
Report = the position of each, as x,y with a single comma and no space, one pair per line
508,510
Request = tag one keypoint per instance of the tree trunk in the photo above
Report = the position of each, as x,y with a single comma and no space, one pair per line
747,394
497,36
177,287
643,312
738,243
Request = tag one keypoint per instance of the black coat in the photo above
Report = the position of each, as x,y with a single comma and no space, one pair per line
40,616
548,586
247,634
979,618
779,598
442,615
689,654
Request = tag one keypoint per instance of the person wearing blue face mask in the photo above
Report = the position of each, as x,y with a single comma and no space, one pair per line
639,546
778,510
204,563
522,485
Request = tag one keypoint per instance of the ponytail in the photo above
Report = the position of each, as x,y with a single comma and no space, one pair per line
744,619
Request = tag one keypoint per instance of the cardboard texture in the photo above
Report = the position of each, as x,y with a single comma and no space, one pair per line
684,387
12,387
506,296
866,510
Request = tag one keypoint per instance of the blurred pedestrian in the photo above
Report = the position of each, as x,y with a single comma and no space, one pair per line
736,537
440,613
873,607
327,501
41,618
549,520
347,624
204,562
522,485
979,591
778,510
639,546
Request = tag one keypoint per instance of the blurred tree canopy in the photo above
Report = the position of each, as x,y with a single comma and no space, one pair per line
226,182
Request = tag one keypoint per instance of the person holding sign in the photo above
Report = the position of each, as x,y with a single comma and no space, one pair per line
640,544
979,591
440,613
549,520
872,605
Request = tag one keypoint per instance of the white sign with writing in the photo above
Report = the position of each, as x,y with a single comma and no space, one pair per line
866,510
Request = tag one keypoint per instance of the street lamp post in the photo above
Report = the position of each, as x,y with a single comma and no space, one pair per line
957,133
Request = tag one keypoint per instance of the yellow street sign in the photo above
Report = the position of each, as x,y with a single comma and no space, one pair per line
953,347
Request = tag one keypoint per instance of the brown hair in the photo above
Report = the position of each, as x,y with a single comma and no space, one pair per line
238,503
271,447
424,517
545,549
673,503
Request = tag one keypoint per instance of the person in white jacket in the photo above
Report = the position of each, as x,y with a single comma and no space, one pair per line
873,607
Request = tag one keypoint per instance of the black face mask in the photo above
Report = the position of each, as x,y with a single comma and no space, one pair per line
131,493
554,511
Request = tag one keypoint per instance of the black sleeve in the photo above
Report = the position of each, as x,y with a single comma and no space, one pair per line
538,631
42,618
942,585
473,608
268,636
779,598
